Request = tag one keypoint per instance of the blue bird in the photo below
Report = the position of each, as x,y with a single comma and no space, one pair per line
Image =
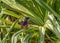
25,23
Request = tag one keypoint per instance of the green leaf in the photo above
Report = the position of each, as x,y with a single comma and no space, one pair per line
3,41
4,11
54,26
15,36
9,23
41,35
44,5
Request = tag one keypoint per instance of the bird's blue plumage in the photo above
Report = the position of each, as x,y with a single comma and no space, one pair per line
25,23
27,18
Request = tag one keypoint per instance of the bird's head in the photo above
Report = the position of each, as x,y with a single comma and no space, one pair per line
27,18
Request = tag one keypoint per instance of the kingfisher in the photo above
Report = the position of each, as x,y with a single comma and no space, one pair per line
25,23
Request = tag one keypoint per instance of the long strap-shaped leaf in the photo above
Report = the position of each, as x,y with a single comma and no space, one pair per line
8,22
7,12
17,6
44,5
41,35
14,37
3,41
27,37
55,27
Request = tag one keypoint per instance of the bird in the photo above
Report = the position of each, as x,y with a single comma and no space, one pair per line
25,23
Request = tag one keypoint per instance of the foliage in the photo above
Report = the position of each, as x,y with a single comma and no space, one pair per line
44,24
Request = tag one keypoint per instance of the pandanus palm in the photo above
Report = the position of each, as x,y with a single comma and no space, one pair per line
44,25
